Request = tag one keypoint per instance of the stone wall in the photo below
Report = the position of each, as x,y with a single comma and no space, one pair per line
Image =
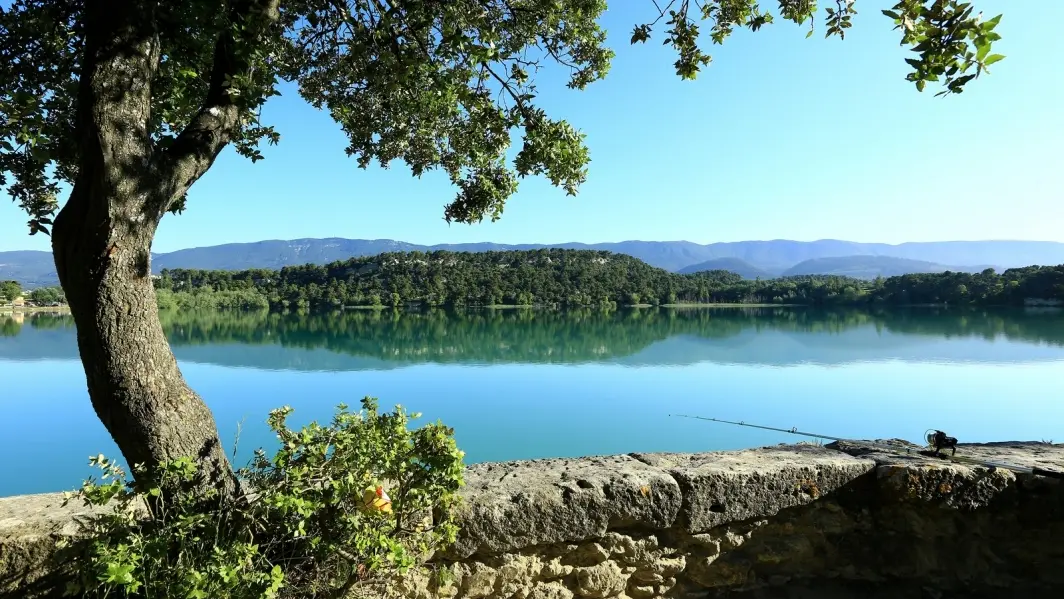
788,521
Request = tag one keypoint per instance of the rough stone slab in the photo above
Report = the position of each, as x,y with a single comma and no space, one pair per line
722,487
30,525
1027,454
543,510
914,477
512,505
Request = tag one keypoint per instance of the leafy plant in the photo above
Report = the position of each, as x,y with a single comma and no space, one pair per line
949,40
357,502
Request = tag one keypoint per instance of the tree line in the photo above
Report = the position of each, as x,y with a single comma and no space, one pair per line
41,296
564,278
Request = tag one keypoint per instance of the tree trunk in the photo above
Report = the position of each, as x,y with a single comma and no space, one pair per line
102,247
134,382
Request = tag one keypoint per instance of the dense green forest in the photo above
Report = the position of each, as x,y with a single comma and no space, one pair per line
573,278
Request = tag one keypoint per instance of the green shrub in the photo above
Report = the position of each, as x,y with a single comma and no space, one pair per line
313,520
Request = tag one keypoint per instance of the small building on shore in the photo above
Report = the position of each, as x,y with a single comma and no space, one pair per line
19,302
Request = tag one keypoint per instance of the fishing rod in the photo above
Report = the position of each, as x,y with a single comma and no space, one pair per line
936,439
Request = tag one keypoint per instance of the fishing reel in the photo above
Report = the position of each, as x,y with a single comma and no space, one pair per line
939,440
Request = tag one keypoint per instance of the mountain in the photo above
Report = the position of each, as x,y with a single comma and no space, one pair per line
775,256
740,267
30,268
670,255
772,256
870,267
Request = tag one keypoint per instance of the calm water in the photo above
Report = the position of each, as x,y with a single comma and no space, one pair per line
523,385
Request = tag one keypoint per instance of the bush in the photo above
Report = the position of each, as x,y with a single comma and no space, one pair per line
48,295
360,501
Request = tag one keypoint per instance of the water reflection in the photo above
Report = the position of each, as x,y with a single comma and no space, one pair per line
358,340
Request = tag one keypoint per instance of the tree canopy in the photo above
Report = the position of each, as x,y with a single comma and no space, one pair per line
436,85
10,290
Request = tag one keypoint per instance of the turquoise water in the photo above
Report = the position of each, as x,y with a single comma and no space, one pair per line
520,385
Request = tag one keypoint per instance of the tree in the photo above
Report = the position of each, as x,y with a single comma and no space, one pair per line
47,295
10,290
129,102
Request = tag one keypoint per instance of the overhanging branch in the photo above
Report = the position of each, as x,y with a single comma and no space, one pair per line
220,118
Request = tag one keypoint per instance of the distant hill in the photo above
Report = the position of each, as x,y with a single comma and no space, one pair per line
776,256
30,268
870,267
670,255
740,267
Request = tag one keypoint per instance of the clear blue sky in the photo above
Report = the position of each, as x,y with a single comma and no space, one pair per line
782,137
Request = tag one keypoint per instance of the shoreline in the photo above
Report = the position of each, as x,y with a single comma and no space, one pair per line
32,309
12,311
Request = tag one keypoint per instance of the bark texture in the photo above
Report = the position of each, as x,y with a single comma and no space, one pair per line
102,246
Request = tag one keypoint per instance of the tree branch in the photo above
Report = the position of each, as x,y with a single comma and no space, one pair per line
220,118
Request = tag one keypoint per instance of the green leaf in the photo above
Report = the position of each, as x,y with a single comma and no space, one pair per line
809,34
993,58
992,23
41,154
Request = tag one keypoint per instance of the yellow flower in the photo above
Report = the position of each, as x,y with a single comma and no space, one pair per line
376,499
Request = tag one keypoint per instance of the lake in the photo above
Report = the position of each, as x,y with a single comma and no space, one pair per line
523,384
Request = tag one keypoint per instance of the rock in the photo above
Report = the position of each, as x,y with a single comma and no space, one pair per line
479,582
660,569
519,568
664,587
734,536
588,555
30,526
550,590
514,577
617,543
952,485
647,576
415,585
538,502
726,487
555,569
719,573
645,591
603,580
642,591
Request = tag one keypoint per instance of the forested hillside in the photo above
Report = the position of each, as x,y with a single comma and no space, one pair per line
567,278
